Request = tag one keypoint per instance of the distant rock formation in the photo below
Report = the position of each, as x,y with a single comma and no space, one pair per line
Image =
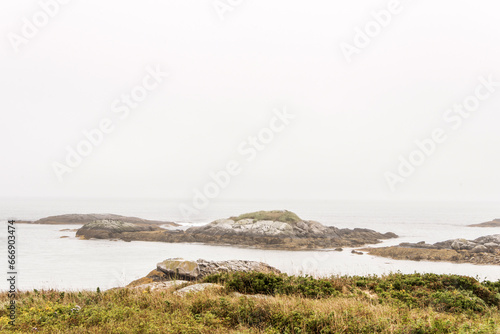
482,244
483,250
493,223
180,269
88,218
111,229
278,229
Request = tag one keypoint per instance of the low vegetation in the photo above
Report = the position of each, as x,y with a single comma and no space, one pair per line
396,303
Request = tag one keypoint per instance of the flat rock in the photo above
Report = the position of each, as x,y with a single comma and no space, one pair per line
160,285
256,296
197,288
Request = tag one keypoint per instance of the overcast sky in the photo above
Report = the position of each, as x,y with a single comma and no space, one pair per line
232,65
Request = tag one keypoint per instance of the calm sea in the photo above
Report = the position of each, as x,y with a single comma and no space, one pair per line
45,260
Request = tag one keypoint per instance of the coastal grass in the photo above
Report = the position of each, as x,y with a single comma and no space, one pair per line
275,215
396,303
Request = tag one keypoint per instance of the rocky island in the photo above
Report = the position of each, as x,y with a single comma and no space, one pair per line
483,250
80,219
112,229
493,223
279,229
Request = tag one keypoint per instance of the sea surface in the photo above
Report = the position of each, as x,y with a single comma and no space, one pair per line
47,261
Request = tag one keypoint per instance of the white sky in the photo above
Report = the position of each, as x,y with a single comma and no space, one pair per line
352,120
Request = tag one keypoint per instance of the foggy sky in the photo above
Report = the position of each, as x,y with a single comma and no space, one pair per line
227,79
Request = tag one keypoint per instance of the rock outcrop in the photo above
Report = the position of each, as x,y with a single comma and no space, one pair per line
111,229
297,229
493,223
195,270
88,218
263,229
180,269
290,233
487,243
483,250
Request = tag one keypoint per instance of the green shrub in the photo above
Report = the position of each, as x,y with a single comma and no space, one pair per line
272,284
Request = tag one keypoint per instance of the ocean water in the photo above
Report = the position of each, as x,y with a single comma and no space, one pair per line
45,260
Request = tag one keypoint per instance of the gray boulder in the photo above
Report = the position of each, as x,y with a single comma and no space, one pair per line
194,270
463,244
178,267
491,245
495,238
479,249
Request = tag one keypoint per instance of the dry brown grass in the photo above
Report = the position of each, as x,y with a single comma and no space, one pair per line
218,311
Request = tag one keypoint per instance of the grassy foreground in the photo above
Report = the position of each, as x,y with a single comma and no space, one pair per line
394,303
